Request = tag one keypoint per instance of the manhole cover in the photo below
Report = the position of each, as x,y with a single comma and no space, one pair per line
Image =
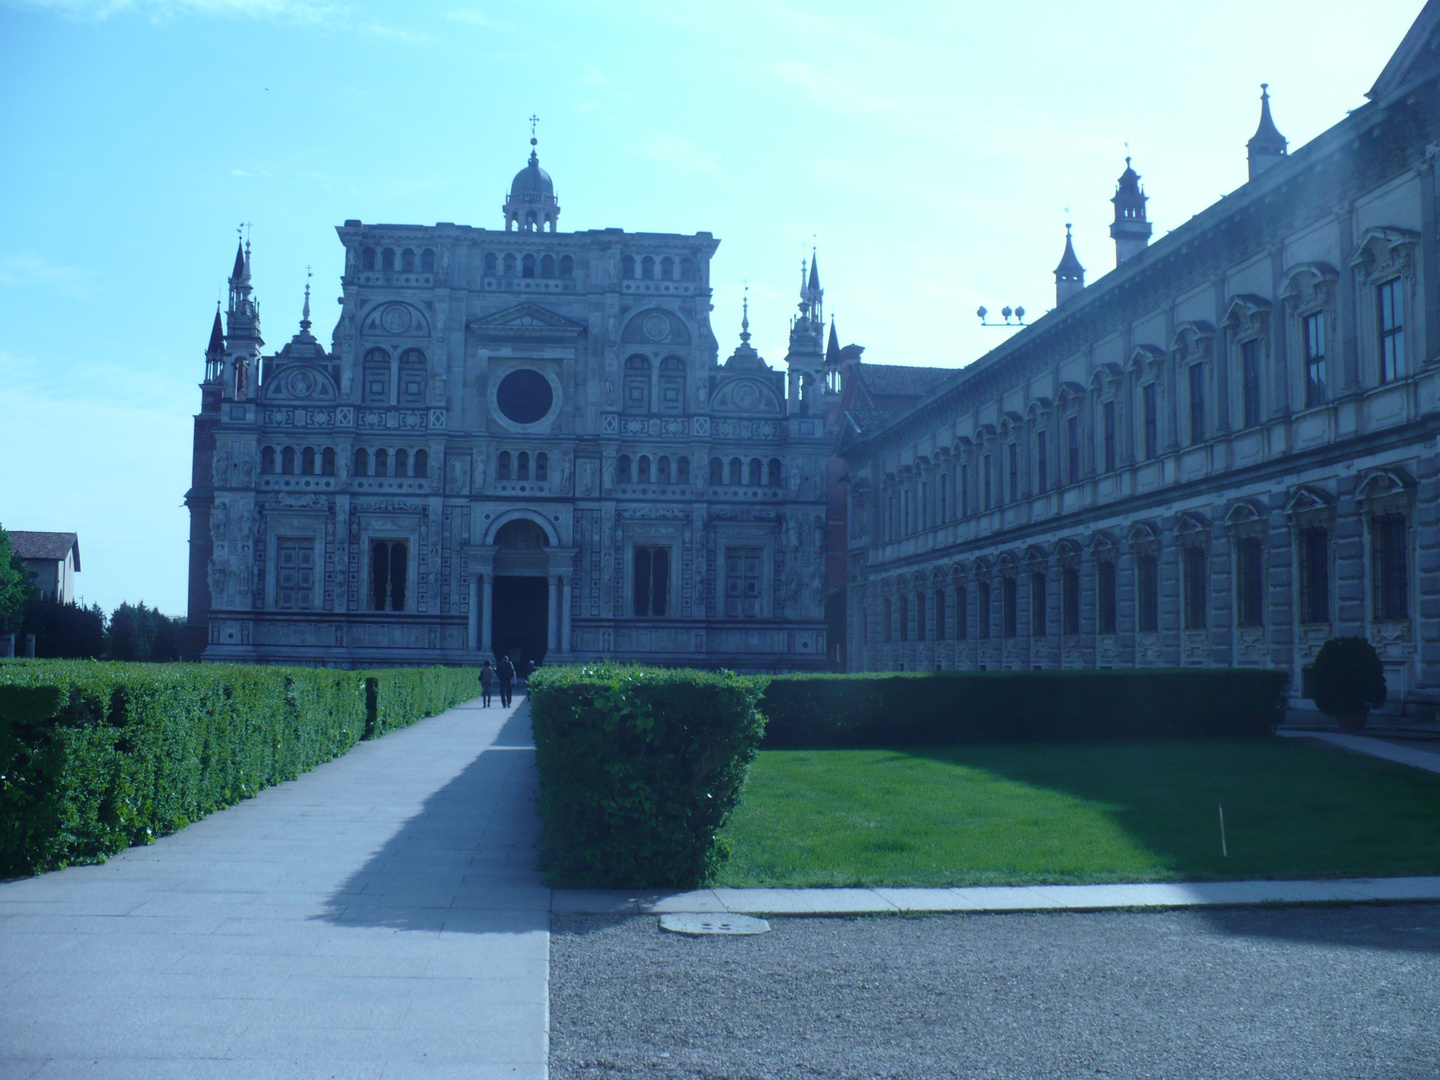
687,923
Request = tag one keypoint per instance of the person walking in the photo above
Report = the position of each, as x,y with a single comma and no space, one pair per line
487,683
506,671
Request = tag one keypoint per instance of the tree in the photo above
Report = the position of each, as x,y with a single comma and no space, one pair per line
1347,681
66,631
138,632
15,585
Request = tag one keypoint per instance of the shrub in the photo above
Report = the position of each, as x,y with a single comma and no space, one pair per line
857,711
1348,680
639,770
96,756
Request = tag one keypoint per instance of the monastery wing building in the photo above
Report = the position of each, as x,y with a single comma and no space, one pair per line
1223,452
519,441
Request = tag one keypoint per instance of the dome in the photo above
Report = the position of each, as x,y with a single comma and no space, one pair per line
532,183
530,206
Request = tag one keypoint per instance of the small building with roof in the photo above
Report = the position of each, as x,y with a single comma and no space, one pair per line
52,560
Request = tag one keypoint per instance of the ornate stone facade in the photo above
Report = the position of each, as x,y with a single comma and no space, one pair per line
1221,453
519,441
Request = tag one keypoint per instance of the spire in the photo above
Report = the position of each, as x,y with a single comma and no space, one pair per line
1267,146
217,335
814,285
745,318
832,347
305,311
745,355
242,264
1130,230
1069,275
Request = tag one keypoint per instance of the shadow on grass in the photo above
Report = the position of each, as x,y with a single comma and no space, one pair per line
466,862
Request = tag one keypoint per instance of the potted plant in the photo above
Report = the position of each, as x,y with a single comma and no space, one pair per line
1348,681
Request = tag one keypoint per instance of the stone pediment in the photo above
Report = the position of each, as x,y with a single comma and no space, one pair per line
746,395
526,320
299,382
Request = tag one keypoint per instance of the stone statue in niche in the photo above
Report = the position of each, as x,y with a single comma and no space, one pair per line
609,391
444,264
219,523
587,478
565,475
221,465
350,262
477,472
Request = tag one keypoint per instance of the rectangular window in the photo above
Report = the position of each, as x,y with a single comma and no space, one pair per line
1391,568
1249,582
1070,601
1392,331
1105,599
904,618
1196,376
964,490
1013,491
652,580
1152,420
1314,575
1009,598
1037,605
1147,594
1108,412
1313,330
295,573
982,609
744,579
1250,381
920,616
1197,587
887,631
1072,443
962,613
1041,479
939,614
388,567
941,516
989,502
925,505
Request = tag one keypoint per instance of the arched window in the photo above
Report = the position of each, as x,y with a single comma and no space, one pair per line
622,469
687,269
736,472
647,267
307,461
667,269
492,264
502,466
774,478
382,463
672,385
682,470
375,387
547,266
628,266
427,261
407,261
287,460
510,264
717,472
522,466
422,464
367,259
412,377
542,467
662,470
527,266
362,462
402,462
643,469
567,266
327,461
387,260
267,459
755,474
637,385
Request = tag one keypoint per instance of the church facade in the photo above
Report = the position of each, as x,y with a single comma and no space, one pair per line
519,441
1221,453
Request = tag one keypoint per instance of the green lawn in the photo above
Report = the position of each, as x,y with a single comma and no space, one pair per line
1091,812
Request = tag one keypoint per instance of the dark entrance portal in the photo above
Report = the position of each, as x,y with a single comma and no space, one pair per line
520,623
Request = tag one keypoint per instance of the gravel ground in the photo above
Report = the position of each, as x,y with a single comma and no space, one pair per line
1313,993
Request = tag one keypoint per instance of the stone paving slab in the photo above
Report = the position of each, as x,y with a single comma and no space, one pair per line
379,917
1360,744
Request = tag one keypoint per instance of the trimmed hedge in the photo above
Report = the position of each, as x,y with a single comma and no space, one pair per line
859,711
96,756
640,768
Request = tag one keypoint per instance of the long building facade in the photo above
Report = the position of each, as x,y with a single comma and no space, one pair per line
519,441
1222,452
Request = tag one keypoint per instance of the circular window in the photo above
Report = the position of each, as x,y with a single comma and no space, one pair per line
524,396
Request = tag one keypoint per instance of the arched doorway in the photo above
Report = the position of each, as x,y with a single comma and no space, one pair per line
519,611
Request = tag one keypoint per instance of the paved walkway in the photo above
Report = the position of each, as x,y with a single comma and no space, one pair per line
378,918
1428,760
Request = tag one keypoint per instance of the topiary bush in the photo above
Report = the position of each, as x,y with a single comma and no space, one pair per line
640,769
1347,681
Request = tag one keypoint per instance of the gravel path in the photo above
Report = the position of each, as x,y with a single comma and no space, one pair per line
1313,993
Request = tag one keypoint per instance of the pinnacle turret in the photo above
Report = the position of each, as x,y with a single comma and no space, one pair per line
1267,146
1069,275
1130,229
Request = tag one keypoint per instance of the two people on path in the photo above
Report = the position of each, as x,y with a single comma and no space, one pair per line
504,674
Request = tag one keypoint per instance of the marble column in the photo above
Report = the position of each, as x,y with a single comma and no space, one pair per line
565,613
552,604
474,637
485,612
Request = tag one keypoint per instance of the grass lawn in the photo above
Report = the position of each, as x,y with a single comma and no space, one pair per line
1090,812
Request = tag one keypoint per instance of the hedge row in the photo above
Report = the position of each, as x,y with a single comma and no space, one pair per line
639,770
96,756
855,711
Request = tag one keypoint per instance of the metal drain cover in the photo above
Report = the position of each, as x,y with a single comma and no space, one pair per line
696,925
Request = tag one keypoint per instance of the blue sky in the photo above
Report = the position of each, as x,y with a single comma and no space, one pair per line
930,150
